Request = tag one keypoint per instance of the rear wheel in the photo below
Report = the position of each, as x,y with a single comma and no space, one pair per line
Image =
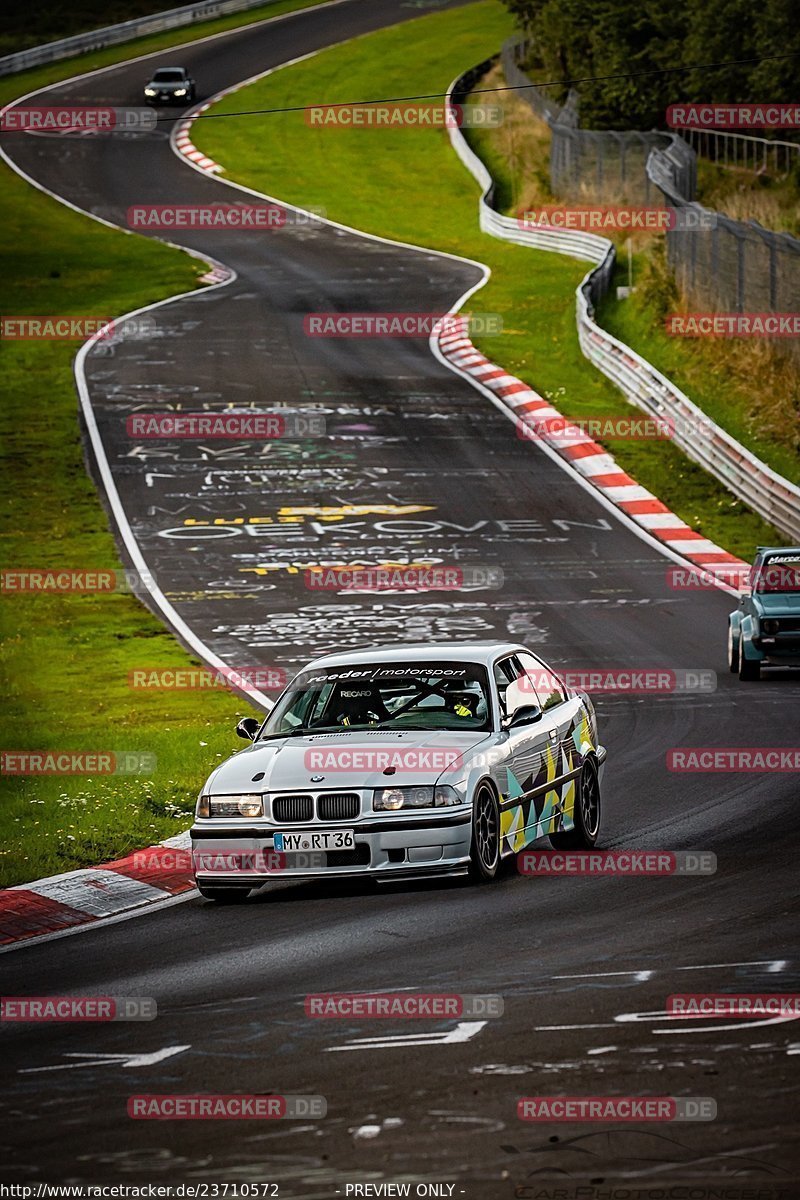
485,851
733,651
586,814
224,895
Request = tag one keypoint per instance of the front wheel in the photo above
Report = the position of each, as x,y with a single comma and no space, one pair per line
224,895
586,814
485,851
733,651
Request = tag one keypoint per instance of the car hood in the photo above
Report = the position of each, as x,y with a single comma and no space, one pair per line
343,760
777,604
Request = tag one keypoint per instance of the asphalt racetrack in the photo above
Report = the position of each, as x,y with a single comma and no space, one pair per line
414,462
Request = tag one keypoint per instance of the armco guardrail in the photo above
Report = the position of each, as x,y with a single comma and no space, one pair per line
774,498
112,35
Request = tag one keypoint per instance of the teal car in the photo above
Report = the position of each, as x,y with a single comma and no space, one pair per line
765,628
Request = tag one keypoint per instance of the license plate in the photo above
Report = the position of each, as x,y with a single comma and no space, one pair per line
322,839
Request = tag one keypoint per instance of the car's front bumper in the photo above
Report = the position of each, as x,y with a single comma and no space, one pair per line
386,847
168,99
782,650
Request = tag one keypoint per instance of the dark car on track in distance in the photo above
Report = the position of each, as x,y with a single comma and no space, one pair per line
170,85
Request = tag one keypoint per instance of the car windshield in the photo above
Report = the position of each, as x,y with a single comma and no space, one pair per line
169,75
407,695
779,575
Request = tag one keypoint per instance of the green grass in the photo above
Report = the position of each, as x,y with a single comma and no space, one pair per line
65,658
12,86
773,201
408,184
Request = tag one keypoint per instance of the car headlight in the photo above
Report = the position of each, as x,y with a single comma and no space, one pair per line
393,798
230,806
770,626
180,91
149,91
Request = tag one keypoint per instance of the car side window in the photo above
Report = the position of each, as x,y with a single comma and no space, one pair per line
547,687
513,685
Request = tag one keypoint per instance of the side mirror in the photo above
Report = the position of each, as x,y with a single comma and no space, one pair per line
247,728
527,715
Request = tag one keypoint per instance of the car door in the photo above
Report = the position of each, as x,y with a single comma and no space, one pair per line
567,732
532,755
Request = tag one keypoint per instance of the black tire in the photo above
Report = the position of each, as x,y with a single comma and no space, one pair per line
749,670
485,846
224,895
733,651
586,814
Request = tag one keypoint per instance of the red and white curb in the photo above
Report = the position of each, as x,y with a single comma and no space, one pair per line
181,138
85,897
185,146
587,457
217,274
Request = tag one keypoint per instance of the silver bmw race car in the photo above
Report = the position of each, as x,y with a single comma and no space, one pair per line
401,762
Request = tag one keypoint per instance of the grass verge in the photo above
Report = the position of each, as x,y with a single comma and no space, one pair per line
408,184
66,658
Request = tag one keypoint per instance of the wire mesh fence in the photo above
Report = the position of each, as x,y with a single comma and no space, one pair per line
741,151
720,264
608,165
